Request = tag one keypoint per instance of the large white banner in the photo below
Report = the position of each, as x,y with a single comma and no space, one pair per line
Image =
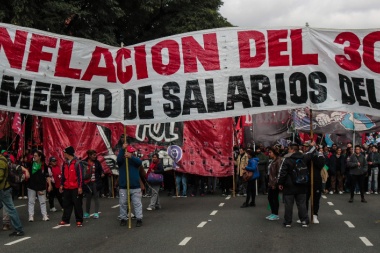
200,75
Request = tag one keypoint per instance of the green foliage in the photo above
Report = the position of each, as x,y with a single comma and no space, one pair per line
113,21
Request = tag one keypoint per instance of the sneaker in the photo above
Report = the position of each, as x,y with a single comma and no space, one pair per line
96,216
274,217
331,192
20,197
45,218
244,205
357,193
287,225
192,195
53,209
270,215
6,227
25,197
184,196
299,221
86,215
139,223
305,224
149,209
63,223
367,193
123,223
375,193
17,233
31,218
79,224
340,192
315,219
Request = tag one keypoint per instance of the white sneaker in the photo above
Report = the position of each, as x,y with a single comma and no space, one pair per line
53,209
299,221
367,193
375,193
31,219
25,197
149,209
340,192
315,219
20,197
45,218
331,192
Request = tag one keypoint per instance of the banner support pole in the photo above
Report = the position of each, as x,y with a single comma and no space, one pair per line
311,172
127,173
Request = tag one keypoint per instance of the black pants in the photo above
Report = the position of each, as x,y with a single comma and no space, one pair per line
301,206
55,194
316,199
273,200
360,180
71,199
251,191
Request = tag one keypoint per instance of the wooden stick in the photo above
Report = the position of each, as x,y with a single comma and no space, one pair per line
127,172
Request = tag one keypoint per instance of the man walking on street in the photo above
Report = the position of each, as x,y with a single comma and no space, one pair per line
291,189
357,166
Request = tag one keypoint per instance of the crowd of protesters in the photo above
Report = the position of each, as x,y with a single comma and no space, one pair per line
336,170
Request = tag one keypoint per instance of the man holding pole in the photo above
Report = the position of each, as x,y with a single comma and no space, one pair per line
291,190
129,187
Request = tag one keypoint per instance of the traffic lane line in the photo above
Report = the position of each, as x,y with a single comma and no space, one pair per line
349,224
221,204
330,203
20,206
228,197
324,197
184,241
338,212
17,241
366,241
214,212
202,224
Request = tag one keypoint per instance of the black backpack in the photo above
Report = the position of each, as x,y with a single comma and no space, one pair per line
301,173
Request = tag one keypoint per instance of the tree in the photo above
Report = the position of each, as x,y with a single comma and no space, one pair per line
113,21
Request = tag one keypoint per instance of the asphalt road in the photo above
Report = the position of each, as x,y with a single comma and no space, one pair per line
205,224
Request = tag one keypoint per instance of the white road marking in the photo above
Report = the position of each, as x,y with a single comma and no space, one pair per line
59,226
228,197
324,197
115,206
20,206
349,224
201,225
17,241
366,241
330,203
221,204
338,212
184,241
214,212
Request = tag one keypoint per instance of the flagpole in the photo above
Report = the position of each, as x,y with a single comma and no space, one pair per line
311,172
127,172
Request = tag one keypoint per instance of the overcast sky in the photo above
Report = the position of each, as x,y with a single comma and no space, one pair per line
318,13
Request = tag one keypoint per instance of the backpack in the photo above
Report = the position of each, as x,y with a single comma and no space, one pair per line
86,171
301,173
14,176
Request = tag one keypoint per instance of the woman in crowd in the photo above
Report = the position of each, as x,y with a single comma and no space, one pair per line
155,167
273,190
39,176
251,183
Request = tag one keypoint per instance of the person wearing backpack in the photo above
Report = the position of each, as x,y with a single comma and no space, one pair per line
294,186
92,176
6,200
71,188
55,173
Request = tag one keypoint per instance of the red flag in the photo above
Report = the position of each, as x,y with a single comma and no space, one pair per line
16,125
4,119
21,142
36,130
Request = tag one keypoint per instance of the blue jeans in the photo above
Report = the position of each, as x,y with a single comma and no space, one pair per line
7,202
178,179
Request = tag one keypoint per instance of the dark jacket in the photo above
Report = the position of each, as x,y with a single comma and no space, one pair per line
263,162
37,181
98,174
286,172
274,168
133,169
352,164
337,164
319,161
374,158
